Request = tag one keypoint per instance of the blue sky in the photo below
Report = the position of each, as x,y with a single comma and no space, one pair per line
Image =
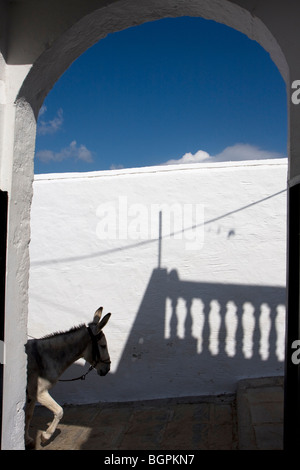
172,91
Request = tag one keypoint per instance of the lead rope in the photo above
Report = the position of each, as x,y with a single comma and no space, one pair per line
82,377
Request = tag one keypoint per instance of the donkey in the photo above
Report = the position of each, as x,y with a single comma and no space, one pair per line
50,356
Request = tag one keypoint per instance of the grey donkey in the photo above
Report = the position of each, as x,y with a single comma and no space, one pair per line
50,356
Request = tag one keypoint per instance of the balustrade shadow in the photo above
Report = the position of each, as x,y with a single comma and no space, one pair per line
193,338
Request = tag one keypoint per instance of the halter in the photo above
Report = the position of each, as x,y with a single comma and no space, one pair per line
95,355
95,349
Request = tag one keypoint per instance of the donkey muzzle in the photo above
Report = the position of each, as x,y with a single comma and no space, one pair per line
104,370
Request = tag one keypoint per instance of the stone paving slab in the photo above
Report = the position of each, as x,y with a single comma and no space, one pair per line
194,423
260,413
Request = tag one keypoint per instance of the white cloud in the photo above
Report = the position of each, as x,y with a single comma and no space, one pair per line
237,152
245,152
51,126
116,167
73,151
42,110
198,157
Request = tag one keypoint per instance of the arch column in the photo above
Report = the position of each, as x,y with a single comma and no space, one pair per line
16,180
17,141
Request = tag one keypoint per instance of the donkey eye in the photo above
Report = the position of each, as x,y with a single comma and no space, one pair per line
102,346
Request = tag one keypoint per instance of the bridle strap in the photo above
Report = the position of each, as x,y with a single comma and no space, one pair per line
95,349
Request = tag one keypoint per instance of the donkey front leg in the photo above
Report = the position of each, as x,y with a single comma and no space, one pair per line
46,400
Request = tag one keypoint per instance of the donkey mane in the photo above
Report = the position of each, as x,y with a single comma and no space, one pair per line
61,333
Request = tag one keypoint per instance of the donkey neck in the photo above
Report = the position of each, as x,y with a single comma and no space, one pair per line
64,349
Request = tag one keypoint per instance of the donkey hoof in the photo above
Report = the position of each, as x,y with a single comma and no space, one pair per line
45,436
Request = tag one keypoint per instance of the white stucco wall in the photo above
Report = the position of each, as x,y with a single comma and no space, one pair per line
226,290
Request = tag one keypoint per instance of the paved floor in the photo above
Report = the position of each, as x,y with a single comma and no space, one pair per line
199,423
251,419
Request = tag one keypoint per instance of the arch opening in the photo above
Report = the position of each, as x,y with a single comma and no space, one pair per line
219,306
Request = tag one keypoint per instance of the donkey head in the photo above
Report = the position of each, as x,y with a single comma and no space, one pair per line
97,352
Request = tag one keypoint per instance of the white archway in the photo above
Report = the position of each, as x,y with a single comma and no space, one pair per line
31,78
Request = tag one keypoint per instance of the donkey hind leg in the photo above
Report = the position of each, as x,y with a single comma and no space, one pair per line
46,400
29,408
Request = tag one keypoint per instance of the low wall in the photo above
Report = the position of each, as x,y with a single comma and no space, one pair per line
190,260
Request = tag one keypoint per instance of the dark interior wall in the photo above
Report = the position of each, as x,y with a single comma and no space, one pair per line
3,237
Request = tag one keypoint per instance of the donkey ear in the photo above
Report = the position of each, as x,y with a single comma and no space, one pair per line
104,321
97,315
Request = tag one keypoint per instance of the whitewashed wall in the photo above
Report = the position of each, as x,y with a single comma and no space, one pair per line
191,313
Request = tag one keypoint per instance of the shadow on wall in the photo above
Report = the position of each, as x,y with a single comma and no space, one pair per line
189,337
